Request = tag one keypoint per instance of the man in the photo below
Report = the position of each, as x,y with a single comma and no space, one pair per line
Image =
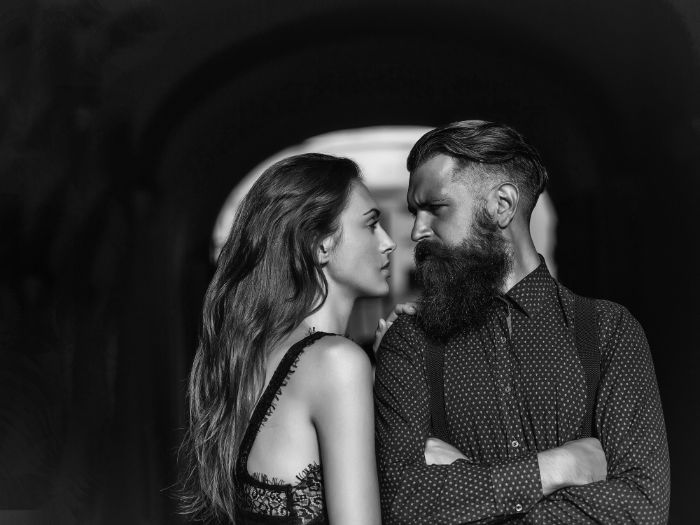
515,389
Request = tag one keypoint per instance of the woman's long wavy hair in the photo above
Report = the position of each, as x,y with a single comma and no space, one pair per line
268,279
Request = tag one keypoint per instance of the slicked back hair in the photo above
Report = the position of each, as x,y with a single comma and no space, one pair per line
494,152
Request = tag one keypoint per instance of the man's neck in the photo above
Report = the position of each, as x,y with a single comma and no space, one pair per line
525,261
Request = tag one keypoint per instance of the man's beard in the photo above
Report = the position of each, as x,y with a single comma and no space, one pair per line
459,283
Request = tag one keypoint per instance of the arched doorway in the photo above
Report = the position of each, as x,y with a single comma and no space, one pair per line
381,153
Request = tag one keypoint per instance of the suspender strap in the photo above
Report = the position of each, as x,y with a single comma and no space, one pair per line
435,365
587,345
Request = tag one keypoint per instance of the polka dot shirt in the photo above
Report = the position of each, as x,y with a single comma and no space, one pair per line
511,392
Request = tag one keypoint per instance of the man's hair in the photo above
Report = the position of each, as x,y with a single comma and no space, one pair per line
494,152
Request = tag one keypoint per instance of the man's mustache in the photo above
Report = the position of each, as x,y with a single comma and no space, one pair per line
459,282
432,249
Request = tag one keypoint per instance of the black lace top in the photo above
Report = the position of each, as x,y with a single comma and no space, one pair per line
260,499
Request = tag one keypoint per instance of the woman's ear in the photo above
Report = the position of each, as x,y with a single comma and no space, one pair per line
324,250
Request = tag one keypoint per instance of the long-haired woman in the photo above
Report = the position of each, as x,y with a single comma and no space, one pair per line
281,425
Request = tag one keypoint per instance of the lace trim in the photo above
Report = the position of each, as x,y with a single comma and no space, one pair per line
272,393
313,469
303,500
264,479
307,495
260,494
278,393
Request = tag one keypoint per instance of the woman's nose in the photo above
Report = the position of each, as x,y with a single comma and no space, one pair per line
388,244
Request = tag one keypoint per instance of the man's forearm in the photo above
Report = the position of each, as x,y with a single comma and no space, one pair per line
619,501
460,492
631,428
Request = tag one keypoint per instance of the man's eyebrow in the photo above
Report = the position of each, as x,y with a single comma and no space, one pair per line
430,201
375,211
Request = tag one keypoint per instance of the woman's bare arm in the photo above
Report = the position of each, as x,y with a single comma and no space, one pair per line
343,413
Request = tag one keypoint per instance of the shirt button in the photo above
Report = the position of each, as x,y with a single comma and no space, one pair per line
503,339
518,507
507,389
514,443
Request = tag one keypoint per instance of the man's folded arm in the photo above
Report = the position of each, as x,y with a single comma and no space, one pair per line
630,423
411,490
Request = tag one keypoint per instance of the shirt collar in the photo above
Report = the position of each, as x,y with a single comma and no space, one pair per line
532,291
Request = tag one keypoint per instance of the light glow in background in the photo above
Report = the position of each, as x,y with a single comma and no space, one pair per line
381,153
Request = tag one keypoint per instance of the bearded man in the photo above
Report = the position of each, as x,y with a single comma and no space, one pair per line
512,380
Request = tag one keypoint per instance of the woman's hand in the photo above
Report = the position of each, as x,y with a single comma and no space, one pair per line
383,325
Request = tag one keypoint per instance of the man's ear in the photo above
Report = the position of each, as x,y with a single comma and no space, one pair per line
505,197
324,250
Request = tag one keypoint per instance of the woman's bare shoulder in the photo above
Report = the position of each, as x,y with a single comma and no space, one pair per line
337,353
333,362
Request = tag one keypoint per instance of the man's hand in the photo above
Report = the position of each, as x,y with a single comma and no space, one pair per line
383,325
437,452
577,462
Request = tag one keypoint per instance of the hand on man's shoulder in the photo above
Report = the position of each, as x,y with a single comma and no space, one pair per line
404,339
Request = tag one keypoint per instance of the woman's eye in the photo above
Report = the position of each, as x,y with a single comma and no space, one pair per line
374,225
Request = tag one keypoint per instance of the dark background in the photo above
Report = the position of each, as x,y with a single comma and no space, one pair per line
125,124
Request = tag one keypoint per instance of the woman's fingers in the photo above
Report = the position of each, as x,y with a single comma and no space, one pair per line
402,308
409,307
382,327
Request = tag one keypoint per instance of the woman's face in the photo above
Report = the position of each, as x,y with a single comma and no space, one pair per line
359,259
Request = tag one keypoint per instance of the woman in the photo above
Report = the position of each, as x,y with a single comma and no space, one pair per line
281,413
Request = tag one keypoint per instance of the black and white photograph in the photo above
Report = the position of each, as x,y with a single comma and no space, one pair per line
349,262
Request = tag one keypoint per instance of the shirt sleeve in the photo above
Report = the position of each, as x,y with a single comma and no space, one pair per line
630,423
414,492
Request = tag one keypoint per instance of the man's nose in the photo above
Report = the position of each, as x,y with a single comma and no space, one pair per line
421,229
